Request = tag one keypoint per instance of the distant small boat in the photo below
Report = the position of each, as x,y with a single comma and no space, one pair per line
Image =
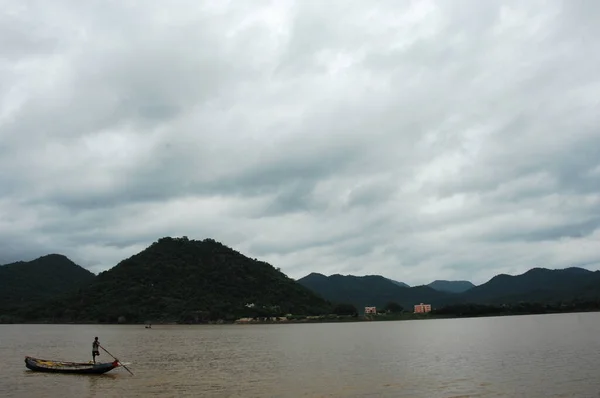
43,365
148,326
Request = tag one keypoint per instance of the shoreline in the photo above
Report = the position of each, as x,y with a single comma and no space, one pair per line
316,320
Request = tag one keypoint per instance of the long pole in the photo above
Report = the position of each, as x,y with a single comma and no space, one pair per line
116,360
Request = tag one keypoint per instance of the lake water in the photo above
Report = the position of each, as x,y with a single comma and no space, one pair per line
521,356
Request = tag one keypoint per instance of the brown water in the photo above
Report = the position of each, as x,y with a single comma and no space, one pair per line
526,356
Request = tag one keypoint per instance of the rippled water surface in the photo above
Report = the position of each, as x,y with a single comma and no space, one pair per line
526,356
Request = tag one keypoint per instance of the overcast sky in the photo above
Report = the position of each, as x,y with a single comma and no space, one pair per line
417,140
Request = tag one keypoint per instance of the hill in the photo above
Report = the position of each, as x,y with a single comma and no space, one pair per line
402,284
451,286
370,290
24,282
177,279
536,285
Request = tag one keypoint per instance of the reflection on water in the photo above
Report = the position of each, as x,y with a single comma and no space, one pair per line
527,356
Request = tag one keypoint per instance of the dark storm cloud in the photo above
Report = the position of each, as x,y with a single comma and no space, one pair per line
420,141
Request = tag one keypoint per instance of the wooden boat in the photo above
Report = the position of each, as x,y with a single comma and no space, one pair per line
43,365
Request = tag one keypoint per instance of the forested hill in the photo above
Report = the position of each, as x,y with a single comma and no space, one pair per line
538,285
451,286
371,290
182,280
177,279
24,282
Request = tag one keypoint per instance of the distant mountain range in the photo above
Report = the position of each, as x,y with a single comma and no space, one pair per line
177,279
451,286
443,285
535,285
439,285
371,290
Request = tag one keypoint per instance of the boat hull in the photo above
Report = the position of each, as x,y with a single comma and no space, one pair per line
43,365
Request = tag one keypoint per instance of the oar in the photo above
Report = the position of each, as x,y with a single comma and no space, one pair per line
116,359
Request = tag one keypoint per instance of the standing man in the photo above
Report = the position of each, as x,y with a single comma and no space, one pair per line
95,349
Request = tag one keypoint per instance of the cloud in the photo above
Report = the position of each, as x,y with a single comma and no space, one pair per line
419,140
